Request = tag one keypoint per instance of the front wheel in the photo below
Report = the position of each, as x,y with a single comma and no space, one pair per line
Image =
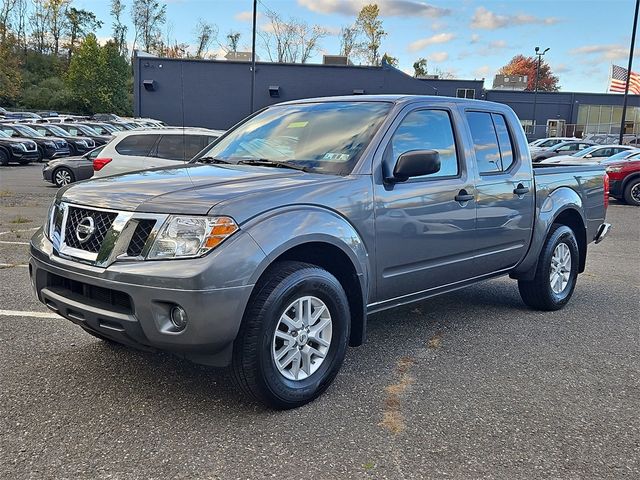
632,192
62,176
556,273
293,336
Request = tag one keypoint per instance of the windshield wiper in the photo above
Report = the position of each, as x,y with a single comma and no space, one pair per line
265,162
213,160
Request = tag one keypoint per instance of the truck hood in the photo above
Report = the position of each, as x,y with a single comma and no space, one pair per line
192,189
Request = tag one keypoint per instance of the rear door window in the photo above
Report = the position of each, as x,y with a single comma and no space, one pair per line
171,147
138,145
193,144
485,142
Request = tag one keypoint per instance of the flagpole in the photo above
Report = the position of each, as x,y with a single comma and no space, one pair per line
626,88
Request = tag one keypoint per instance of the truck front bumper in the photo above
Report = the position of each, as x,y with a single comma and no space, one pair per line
139,315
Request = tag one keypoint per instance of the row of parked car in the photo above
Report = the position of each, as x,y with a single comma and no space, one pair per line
622,162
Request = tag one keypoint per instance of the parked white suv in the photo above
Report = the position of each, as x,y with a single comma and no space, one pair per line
143,149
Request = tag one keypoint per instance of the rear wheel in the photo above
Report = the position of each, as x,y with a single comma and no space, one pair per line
63,176
4,158
40,154
293,336
632,192
556,273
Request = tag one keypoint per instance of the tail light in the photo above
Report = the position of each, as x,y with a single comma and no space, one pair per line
606,190
99,163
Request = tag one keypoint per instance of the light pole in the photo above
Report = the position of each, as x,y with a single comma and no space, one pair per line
535,89
253,55
626,87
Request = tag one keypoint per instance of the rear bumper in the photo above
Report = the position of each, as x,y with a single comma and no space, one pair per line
139,315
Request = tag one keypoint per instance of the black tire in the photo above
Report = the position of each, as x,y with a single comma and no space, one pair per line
4,158
73,150
538,293
40,155
62,176
24,162
254,368
632,192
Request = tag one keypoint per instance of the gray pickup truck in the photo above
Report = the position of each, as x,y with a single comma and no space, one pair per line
268,252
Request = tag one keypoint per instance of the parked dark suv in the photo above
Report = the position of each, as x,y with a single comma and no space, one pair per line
48,147
77,145
81,130
17,150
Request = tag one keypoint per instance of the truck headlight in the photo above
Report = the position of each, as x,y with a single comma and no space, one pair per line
189,237
50,144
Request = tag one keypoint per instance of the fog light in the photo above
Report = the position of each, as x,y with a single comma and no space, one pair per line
179,317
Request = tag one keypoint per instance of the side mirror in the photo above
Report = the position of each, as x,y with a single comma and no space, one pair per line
415,163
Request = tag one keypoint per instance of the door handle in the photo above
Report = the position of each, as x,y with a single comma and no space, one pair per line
520,190
463,196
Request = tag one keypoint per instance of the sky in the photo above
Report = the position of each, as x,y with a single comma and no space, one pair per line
469,38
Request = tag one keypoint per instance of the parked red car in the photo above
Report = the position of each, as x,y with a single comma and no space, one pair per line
624,181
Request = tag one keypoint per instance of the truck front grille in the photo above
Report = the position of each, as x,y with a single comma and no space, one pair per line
140,237
101,222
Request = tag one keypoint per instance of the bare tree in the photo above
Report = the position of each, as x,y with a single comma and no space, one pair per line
119,28
39,20
349,40
205,34
6,10
233,39
79,23
148,16
290,41
57,21
21,19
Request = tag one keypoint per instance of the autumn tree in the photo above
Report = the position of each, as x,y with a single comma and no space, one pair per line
349,40
370,25
10,73
57,21
521,65
420,67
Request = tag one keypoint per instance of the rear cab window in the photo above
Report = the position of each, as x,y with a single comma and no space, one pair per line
137,145
491,141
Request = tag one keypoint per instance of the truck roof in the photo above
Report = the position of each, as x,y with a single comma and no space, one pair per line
392,98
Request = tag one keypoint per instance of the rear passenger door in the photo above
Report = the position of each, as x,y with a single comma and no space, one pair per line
504,196
132,153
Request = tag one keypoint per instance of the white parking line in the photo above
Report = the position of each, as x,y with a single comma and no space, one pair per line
11,265
13,243
20,231
18,313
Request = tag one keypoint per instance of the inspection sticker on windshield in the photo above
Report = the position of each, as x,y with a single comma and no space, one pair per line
338,157
297,125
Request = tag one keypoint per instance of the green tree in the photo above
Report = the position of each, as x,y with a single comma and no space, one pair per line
114,74
119,28
370,25
420,67
388,59
10,71
79,24
148,16
84,76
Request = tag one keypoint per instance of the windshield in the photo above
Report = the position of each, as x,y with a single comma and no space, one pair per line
27,131
550,143
57,131
623,155
585,151
3,134
324,137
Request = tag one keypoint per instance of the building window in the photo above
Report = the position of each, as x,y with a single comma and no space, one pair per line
528,126
466,93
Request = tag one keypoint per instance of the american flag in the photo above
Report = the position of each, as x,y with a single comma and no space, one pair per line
619,79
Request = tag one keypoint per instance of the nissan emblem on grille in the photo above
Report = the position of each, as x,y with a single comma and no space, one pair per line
85,229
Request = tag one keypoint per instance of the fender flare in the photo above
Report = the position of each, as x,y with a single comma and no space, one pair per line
558,201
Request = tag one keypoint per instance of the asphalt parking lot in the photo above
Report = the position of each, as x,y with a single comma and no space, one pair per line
467,385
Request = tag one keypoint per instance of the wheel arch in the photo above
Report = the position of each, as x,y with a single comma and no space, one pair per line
629,178
323,238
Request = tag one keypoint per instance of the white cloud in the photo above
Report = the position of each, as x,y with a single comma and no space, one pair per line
482,72
475,38
389,8
497,45
484,19
603,52
245,16
561,68
438,38
439,57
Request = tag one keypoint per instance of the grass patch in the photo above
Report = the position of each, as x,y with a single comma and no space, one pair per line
368,465
20,219
435,342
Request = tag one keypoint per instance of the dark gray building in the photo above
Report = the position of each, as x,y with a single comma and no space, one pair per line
216,94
